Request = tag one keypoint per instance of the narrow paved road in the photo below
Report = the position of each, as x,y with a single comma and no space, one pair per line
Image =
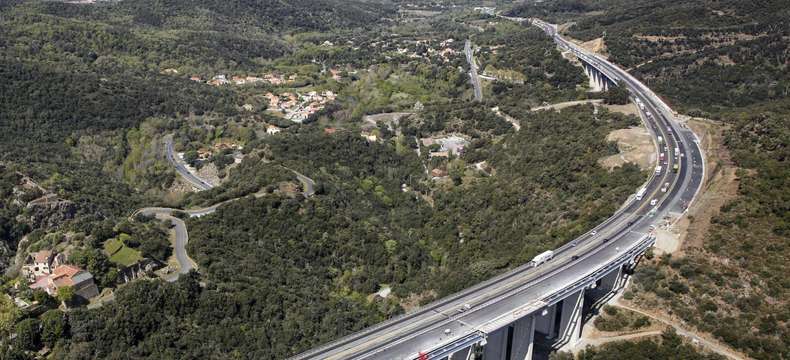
181,168
307,183
186,263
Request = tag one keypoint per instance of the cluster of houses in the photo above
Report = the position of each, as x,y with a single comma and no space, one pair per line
48,271
298,107
205,154
426,49
270,78
444,51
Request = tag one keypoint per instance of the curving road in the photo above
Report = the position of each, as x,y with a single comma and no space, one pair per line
185,263
466,317
181,168
182,236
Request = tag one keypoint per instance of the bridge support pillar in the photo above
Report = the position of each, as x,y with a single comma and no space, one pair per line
593,85
463,354
611,281
571,318
594,75
523,338
545,323
496,345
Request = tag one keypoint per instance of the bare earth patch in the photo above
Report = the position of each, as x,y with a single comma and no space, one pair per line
566,104
597,46
209,173
635,145
413,301
720,185
628,109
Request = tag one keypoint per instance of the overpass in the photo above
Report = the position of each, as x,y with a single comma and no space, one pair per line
508,316
473,76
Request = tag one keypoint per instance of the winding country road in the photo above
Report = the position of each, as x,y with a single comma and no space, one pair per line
181,168
186,263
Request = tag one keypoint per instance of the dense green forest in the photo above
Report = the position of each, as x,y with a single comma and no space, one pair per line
725,60
300,271
86,99
706,57
543,75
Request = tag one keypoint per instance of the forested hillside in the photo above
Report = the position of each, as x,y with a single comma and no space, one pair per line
726,60
300,271
92,90
73,74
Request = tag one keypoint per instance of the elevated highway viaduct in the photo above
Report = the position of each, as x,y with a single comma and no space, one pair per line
505,317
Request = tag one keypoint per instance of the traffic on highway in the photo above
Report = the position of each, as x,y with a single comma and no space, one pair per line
461,319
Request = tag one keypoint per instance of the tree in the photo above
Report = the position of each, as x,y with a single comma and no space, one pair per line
28,334
191,157
53,327
616,94
8,352
66,294
44,299
9,313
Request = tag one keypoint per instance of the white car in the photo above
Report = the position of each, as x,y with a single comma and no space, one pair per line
653,202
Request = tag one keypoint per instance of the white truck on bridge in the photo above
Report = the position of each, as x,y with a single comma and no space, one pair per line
641,193
543,257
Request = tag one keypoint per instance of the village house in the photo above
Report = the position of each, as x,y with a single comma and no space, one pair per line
274,101
41,263
437,173
219,80
272,129
335,74
68,275
450,144
369,135
204,154
296,107
226,145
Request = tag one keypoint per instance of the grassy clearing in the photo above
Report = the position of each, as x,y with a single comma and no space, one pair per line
120,253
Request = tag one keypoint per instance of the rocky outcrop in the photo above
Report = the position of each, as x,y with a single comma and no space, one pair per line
12,267
50,214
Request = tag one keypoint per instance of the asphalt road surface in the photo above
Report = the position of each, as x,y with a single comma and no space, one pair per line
473,70
181,168
505,298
